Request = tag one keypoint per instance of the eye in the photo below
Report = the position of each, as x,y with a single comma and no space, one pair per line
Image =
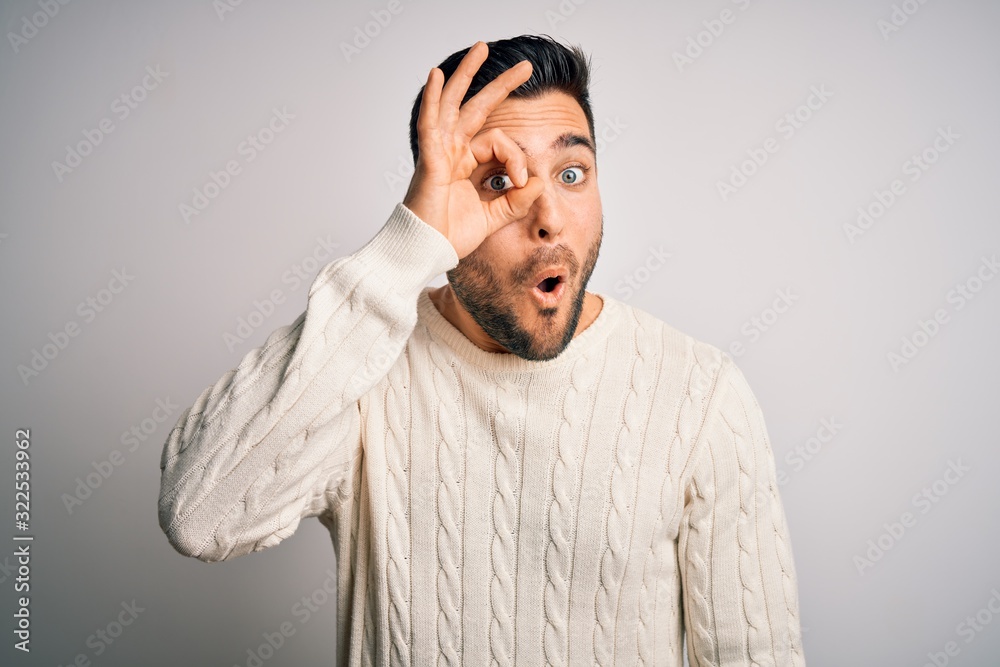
498,181
570,177
495,182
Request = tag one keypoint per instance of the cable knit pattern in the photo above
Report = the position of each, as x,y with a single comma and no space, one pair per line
503,551
704,365
792,634
593,508
346,506
696,574
758,495
745,530
566,473
368,648
736,457
398,533
450,499
344,602
618,525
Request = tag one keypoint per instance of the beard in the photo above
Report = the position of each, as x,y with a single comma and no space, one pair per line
493,300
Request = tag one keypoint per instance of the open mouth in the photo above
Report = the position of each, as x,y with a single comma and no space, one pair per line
549,283
550,286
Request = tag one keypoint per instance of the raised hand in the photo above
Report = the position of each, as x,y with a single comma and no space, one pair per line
440,191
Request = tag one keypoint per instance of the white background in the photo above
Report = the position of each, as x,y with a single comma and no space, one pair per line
673,133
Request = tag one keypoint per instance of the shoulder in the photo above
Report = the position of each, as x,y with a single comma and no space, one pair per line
702,363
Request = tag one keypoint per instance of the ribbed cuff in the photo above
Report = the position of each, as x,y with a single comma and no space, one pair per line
408,251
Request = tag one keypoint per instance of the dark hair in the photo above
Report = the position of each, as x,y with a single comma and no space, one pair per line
554,67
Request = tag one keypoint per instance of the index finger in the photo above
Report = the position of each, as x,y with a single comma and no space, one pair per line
474,112
458,82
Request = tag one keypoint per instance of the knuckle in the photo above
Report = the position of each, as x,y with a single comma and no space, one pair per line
496,135
467,163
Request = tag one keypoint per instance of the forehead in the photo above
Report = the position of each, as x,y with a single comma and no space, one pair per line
535,124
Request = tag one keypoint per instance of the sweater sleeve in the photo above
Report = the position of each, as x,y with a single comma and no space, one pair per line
737,574
269,442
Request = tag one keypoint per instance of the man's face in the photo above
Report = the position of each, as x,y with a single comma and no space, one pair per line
496,283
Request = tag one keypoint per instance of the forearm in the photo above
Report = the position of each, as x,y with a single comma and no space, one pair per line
257,451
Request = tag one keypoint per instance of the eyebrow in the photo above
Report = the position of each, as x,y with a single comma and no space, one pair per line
566,140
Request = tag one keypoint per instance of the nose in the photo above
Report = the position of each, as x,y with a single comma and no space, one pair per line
548,215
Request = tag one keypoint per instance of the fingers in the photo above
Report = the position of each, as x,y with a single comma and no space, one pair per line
430,104
496,145
481,104
470,118
513,205
444,125
458,82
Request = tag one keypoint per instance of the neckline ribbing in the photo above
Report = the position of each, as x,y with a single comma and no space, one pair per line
444,330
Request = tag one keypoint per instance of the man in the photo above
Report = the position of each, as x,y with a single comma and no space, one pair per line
512,468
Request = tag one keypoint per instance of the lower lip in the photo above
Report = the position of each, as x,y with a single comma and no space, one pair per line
549,299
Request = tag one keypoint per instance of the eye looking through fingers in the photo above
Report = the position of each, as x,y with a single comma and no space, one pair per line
497,181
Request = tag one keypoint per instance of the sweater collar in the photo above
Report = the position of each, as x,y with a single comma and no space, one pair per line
445,332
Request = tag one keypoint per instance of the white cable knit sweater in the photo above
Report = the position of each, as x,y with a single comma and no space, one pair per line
486,509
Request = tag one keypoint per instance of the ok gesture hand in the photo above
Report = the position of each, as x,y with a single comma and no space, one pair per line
440,192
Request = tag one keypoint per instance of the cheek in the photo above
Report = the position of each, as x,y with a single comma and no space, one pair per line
501,247
588,210
487,259
589,219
